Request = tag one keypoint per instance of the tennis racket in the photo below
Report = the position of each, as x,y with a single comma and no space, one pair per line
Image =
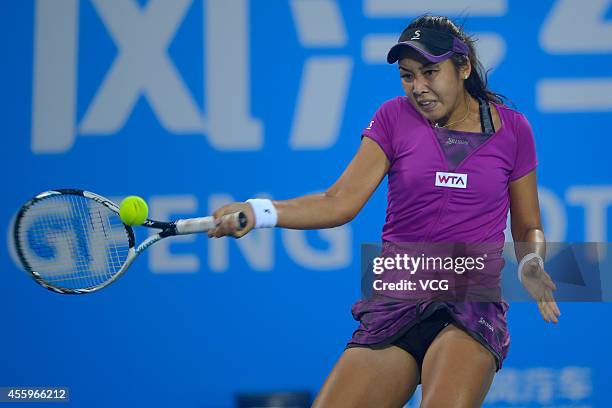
74,242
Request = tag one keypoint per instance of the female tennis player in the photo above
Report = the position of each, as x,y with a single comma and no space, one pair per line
457,159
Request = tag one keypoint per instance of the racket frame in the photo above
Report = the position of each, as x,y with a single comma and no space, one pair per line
168,229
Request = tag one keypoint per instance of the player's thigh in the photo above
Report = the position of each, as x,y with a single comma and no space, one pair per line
457,371
366,378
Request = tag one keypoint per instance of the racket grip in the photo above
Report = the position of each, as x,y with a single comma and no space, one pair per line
203,224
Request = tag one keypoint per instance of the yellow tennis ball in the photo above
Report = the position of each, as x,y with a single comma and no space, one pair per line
133,210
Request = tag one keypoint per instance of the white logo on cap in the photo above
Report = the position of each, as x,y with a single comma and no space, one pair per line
417,35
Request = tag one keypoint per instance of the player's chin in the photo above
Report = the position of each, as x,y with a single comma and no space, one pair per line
432,117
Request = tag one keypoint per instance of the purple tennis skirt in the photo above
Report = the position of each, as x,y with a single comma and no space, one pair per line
383,321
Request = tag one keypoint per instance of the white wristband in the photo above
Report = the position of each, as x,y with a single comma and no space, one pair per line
265,212
526,259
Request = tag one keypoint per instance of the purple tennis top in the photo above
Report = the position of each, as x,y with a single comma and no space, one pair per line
445,186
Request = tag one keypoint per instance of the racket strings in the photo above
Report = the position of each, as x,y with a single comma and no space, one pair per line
73,242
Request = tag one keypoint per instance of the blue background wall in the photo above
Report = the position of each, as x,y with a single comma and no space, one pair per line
194,103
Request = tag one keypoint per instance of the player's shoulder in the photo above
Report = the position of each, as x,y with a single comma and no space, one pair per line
393,102
516,125
509,113
396,105
516,120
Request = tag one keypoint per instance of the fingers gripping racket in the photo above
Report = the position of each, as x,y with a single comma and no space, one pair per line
74,242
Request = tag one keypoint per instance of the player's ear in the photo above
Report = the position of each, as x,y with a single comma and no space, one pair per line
466,69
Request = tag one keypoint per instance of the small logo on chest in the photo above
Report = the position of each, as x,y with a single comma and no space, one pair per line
453,180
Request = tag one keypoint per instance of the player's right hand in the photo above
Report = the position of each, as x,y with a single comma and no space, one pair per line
540,286
226,226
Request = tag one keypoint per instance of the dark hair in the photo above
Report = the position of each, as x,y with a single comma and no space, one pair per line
476,83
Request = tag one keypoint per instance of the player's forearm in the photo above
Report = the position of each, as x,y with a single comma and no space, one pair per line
314,211
529,241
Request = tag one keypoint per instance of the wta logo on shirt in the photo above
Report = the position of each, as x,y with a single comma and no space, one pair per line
453,180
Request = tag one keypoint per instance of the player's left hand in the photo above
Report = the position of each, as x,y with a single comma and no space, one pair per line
540,286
